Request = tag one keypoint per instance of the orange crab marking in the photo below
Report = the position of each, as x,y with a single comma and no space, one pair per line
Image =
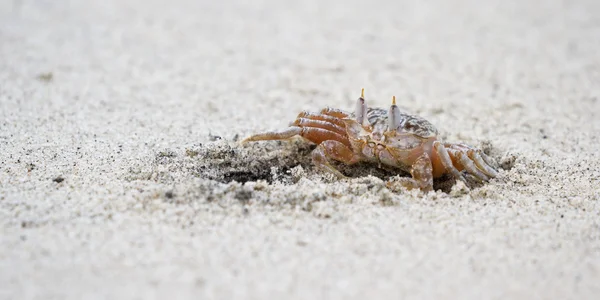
385,137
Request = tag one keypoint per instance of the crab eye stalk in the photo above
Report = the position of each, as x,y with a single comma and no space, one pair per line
394,116
361,108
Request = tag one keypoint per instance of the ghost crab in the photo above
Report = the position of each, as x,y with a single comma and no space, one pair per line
392,138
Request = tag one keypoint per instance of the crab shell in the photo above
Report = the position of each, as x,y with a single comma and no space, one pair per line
397,147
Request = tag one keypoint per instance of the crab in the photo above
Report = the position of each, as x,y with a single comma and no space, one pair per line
391,138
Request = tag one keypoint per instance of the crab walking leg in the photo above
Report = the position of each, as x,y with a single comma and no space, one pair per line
274,135
470,166
334,112
326,118
334,150
315,135
422,176
442,153
488,161
303,122
481,164
320,135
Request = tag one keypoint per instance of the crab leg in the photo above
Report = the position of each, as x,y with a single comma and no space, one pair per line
422,173
334,112
334,150
320,135
422,176
326,118
313,134
274,135
303,122
481,164
490,162
469,166
442,153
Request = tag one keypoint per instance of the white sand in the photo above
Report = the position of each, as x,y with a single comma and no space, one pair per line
140,88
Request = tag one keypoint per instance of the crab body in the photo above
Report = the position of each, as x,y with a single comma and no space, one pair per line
385,137
396,148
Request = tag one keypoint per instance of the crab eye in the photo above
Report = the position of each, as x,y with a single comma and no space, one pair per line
361,108
393,115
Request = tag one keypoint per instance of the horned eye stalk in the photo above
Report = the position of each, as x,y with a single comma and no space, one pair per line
394,116
361,109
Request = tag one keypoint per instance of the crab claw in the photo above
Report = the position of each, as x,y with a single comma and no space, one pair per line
361,108
393,116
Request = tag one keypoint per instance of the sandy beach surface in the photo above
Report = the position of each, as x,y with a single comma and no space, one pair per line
122,175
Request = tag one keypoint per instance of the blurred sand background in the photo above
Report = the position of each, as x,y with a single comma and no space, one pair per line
121,178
